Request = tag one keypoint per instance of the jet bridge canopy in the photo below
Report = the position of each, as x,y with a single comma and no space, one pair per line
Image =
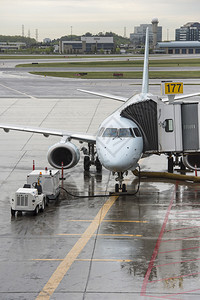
144,114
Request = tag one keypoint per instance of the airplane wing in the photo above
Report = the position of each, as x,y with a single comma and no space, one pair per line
47,132
166,99
105,95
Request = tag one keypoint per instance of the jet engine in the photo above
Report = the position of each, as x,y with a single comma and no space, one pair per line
192,161
66,153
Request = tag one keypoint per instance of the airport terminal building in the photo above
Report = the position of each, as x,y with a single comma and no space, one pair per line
179,47
88,45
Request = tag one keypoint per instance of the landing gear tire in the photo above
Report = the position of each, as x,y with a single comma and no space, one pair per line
36,210
86,163
43,206
170,164
98,165
124,188
116,188
12,212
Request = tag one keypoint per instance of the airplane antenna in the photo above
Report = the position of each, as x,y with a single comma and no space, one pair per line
145,81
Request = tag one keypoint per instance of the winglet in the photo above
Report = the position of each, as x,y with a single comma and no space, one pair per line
145,82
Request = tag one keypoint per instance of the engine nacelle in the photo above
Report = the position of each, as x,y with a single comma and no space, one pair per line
192,161
66,153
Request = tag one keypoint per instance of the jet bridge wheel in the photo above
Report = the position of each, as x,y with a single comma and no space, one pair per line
170,164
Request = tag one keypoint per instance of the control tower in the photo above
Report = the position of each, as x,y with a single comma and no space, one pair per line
155,31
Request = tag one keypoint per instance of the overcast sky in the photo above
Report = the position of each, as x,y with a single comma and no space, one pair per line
55,18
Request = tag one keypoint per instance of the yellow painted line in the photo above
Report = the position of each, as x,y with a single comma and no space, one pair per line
64,266
100,234
124,221
112,221
85,259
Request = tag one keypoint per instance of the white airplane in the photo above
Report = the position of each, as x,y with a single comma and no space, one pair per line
120,141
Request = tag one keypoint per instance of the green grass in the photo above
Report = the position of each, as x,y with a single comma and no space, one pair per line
125,63
126,75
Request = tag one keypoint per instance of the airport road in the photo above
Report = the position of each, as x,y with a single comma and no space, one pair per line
144,246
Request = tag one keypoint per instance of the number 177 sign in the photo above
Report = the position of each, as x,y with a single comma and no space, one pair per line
172,88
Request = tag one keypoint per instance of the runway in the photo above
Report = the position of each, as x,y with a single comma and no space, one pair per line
144,246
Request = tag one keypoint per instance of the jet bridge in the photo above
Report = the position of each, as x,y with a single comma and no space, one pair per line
167,128
144,114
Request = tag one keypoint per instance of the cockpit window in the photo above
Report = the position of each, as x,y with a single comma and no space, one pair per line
101,131
137,132
125,132
121,132
110,132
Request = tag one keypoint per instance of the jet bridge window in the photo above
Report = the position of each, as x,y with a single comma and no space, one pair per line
169,125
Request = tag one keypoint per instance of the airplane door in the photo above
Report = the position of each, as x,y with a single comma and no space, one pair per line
190,131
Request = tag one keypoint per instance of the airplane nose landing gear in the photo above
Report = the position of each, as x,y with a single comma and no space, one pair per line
120,186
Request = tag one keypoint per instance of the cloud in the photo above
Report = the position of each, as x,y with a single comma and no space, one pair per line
55,16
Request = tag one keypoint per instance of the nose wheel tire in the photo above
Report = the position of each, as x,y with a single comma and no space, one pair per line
124,188
116,188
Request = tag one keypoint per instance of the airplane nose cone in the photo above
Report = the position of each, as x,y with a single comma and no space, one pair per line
118,163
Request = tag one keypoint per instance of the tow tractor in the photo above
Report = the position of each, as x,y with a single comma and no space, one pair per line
29,199
41,186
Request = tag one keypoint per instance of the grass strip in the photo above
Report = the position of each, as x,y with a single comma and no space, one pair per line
122,63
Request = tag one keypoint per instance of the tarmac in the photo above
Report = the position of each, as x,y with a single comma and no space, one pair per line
143,246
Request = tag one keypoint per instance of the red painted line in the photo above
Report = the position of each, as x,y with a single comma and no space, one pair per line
184,228
186,238
176,277
177,262
178,250
155,252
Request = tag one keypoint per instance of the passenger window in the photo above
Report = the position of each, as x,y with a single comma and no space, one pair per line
169,125
110,132
137,132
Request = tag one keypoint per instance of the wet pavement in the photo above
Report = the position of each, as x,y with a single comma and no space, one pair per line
139,246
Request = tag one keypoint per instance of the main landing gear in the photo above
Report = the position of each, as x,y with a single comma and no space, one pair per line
120,186
91,158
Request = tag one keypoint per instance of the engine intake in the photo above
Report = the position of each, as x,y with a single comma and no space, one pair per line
66,153
192,161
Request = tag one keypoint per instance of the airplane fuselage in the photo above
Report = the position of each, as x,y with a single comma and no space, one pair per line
119,143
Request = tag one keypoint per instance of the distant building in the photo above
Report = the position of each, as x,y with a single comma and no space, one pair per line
46,41
11,46
179,47
87,45
188,32
138,37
